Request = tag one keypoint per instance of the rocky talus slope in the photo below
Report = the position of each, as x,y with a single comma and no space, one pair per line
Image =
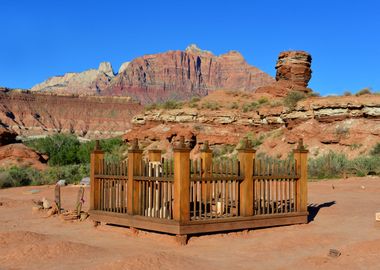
27,114
349,124
164,76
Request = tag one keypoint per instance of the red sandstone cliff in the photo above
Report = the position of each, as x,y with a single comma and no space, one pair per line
183,74
164,76
28,114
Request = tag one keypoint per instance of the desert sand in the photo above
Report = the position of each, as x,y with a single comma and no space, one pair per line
342,217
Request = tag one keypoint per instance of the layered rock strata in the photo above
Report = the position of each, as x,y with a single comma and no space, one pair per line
28,114
165,76
293,73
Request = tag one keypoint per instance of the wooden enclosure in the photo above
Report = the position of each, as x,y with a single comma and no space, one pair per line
181,196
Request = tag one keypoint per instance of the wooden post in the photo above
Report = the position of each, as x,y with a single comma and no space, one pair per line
206,157
95,158
57,193
181,211
134,168
154,155
300,156
246,157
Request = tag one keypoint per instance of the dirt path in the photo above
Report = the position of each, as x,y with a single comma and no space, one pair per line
344,220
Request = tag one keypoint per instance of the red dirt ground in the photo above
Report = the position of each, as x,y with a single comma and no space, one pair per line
30,241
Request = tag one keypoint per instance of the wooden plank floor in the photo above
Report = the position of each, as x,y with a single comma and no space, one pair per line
197,227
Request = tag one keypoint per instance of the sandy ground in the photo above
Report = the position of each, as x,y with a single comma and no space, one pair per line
343,218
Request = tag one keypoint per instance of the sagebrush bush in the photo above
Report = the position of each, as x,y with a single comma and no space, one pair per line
364,91
330,165
376,150
24,176
334,165
292,99
347,93
211,105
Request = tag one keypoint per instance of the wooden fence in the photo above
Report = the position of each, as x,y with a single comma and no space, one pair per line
183,196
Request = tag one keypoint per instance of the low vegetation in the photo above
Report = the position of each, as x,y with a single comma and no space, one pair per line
292,99
167,105
336,165
69,159
211,105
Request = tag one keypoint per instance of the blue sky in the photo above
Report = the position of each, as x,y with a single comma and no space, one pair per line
40,38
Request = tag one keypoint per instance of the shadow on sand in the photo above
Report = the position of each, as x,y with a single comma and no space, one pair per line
314,209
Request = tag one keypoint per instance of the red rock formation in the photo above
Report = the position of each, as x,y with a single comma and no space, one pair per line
164,76
183,74
6,136
293,74
30,114
20,155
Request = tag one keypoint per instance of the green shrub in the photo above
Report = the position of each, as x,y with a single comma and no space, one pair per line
211,105
151,107
347,93
330,165
24,176
195,99
333,165
292,99
364,91
171,105
262,100
376,150
61,148
247,107
65,149
365,165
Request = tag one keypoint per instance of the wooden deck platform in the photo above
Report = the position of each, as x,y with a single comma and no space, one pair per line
200,226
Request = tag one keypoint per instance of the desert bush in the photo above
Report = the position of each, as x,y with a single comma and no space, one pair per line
222,150
376,150
247,107
314,94
195,99
364,91
333,165
24,176
18,176
330,165
64,149
347,93
292,99
262,100
194,102
151,107
171,105
167,105
342,131
61,148
234,106
211,105
365,165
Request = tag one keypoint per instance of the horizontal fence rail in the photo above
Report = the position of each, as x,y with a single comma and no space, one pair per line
187,196
214,193
156,190
275,186
111,180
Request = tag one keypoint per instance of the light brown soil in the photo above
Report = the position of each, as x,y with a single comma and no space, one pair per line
30,241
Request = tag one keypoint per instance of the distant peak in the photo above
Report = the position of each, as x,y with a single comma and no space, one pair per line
106,68
123,67
195,49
